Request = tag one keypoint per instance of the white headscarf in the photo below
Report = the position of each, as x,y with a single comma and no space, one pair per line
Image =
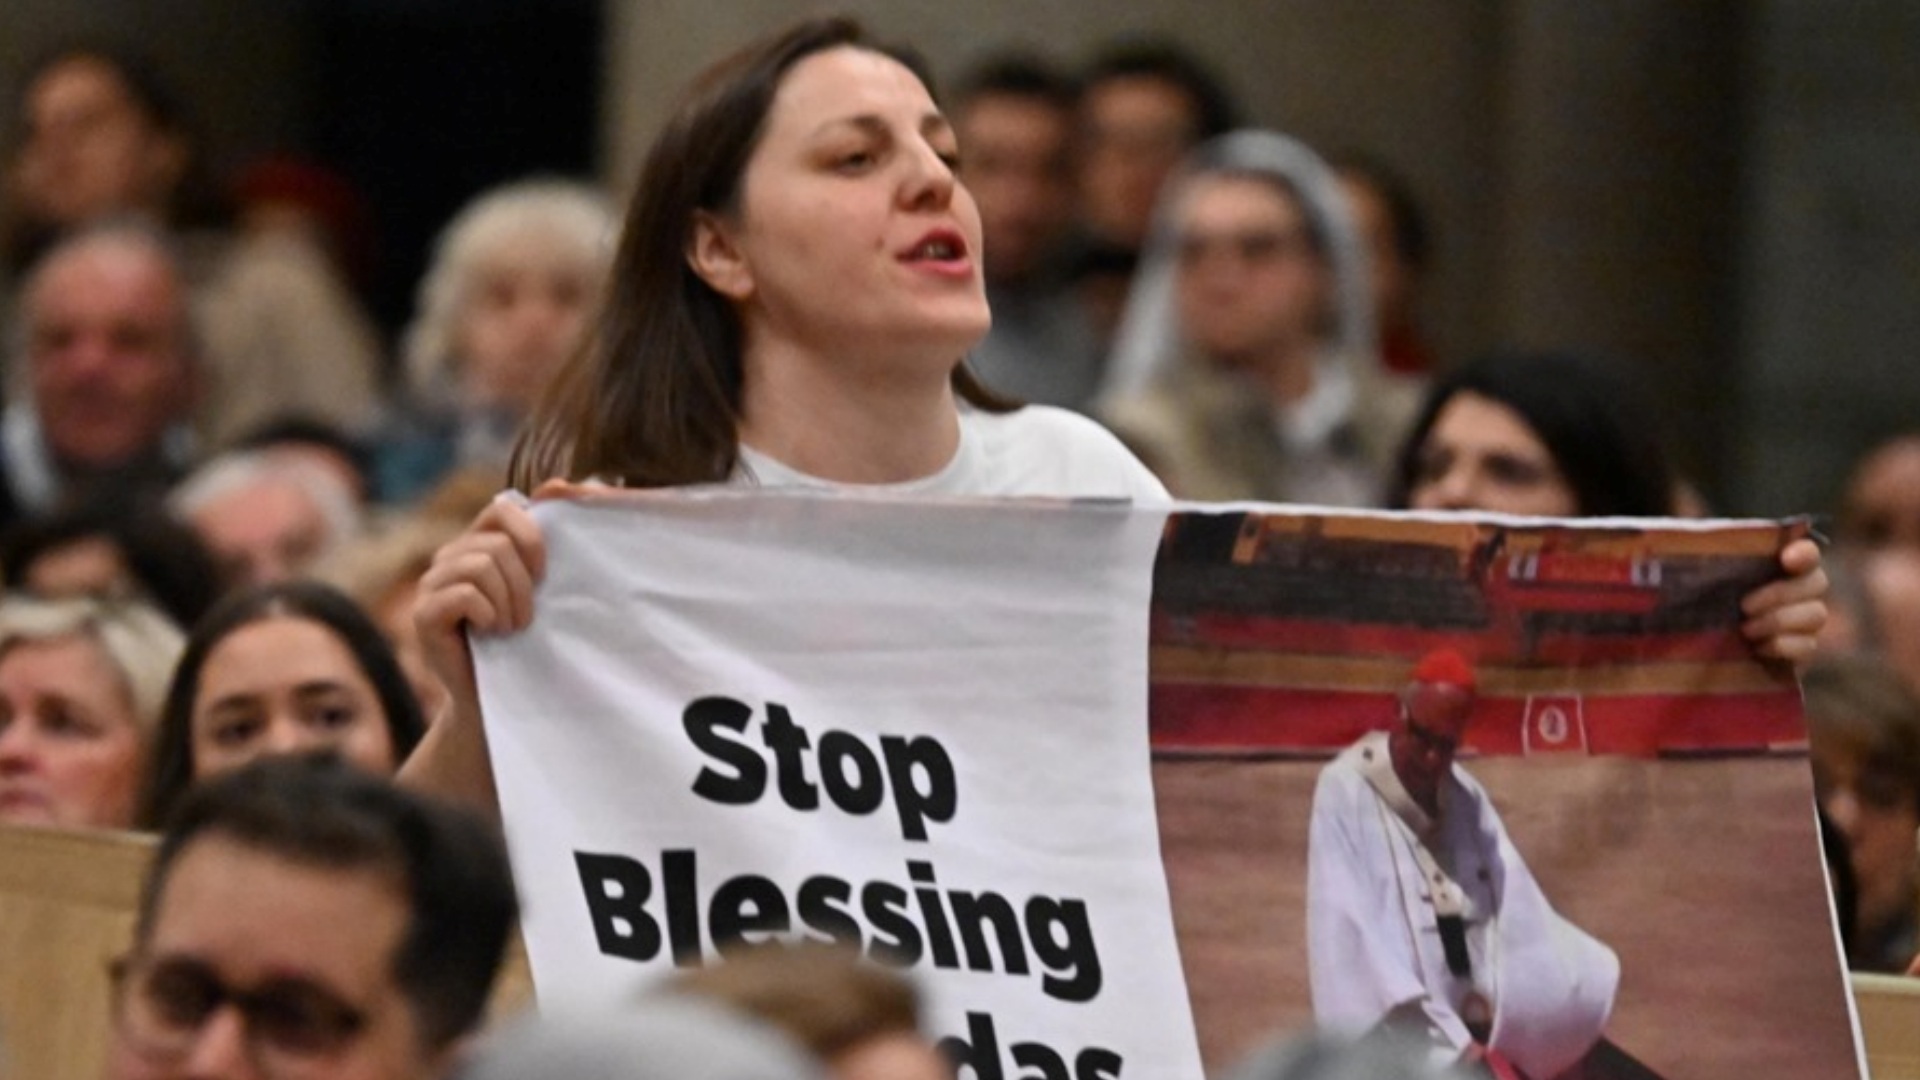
1149,339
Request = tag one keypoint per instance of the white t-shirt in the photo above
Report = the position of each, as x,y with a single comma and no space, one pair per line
1035,450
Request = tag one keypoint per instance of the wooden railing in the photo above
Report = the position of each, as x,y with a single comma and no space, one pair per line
1890,1022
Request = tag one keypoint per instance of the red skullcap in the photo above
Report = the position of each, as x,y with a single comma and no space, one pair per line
1445,667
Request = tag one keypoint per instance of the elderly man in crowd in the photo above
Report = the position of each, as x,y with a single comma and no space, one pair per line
1422,917
108,356
267,515
305,919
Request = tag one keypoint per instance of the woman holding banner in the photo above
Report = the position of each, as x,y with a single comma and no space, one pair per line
796,286
797,281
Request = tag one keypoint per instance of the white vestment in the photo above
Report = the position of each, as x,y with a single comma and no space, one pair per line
1373,942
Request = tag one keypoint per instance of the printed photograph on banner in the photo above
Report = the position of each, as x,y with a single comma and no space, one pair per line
1522,790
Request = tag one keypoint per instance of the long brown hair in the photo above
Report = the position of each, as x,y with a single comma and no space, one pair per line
653,398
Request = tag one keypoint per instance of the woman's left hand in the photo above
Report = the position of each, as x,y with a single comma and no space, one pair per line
1783,617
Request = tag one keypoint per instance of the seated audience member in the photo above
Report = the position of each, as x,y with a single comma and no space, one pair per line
381,573
861,1019
1565,435
81,684
104,137
112,550
266,515
1144,103
110,375
1538,434
304,919
274,670
1013,116
1246,366
1881,504
98,135
1394,234
1864,727
664,1038
506,299
324,444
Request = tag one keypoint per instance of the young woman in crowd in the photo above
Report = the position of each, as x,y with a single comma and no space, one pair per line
81,682
514,278
1542,434
798,280
280,669
1565,435
796,287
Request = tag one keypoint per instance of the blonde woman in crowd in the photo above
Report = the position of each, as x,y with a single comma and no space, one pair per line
504,303
81,685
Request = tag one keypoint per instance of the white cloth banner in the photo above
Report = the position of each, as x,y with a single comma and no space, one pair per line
919,726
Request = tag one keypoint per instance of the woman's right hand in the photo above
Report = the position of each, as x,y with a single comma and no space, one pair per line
481,581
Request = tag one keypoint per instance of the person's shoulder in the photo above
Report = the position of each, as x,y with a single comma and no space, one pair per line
1044,450
1342,775
1042,424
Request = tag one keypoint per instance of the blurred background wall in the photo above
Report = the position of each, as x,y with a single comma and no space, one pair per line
1727,192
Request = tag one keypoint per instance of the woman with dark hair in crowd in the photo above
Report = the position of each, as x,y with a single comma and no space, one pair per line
796,286
1544,434
1566,435
106,548
280,669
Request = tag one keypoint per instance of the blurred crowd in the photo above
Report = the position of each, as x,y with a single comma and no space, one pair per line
219,487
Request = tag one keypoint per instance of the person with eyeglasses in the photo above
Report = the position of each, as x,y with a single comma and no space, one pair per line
305,919
1422,918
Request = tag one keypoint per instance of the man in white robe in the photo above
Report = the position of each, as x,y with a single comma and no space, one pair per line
1422,916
